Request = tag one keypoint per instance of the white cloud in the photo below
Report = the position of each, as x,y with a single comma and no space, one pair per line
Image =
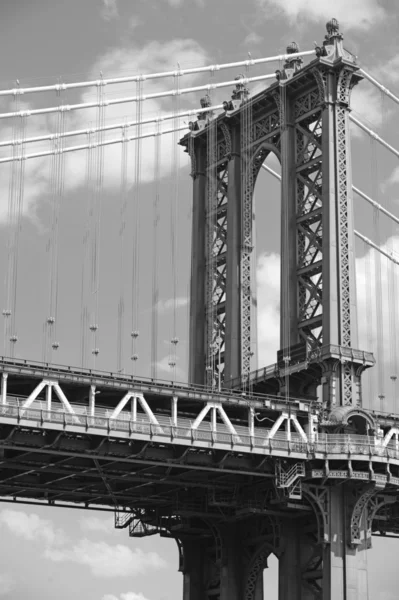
91,523
166,305
268,297
368,107
253,39
153,57
126,596
390,69
32,527
109,10
177,3
357,14
7,584
134,22
105,560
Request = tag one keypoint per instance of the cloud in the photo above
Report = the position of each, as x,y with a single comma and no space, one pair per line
394,176
177,3
126,596
31,527
166,305
109,10
105,560
134,22
368,107
253,39
7,584
152,57
358,14
390,69
91,523
268,298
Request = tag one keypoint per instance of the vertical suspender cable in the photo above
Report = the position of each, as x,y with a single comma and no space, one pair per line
96,223
122,231
392,292
174,340
14,167
190,163
155,284
57,188
378,276
136,237
18,206
84,316
369,277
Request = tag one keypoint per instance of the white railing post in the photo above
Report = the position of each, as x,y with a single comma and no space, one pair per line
134,409
214,414
288,429
251,421
4,378
92,400
174,411
48,396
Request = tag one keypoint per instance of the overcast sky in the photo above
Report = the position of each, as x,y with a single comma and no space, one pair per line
59,553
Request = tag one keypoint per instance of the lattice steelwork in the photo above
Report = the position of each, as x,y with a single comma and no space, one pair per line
247,187
303,120
216,269
309,217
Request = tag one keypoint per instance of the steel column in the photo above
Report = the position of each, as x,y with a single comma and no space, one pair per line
197,351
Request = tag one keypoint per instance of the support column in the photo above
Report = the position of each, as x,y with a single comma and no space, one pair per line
299,569
193,570
344,568
233,284
197,351
231,575
288,266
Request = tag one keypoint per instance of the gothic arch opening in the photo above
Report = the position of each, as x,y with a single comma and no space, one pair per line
266,259
270,578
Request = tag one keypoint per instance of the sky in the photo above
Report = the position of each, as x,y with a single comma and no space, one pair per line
67,552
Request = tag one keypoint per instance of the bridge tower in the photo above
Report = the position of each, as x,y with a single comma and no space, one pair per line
303,119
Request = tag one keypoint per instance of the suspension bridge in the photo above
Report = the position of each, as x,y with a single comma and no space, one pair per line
130,376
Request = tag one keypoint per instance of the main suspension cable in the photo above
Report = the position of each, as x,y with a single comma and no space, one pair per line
120,125
129,99
378,85
148,76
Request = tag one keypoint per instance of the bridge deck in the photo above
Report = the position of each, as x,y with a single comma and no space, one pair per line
154,444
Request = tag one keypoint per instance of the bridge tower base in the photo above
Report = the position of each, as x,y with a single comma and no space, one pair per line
335,567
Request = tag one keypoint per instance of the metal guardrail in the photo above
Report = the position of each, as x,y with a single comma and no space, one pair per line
50,369
325,444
